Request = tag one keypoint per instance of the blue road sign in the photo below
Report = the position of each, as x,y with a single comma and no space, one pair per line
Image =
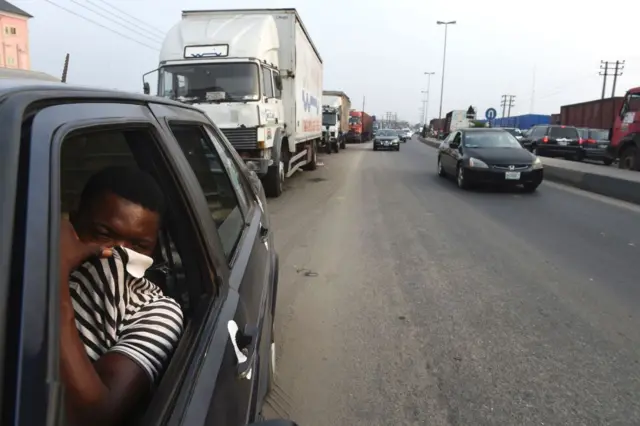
490,114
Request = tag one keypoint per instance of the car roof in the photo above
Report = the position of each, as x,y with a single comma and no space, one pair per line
12,86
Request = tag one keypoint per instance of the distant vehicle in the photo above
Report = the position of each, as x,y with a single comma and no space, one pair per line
360,127
405,134
516,133
554,141
335,118
387,139
488,156
595,143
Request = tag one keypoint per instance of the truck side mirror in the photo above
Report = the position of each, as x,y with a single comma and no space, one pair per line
146,88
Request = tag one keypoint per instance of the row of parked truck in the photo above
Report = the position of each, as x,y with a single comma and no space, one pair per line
259,77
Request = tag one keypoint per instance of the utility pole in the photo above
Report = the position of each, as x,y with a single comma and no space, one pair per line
426,102
604,74
363,99
503,104
444,58
511,105
65,69
533,90
616,73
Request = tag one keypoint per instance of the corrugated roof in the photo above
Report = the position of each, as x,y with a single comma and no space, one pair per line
5,6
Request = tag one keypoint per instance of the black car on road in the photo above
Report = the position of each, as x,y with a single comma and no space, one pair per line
488,156
386,139
215,255
554,141
595,143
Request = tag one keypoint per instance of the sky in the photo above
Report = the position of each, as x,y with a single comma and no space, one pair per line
546,53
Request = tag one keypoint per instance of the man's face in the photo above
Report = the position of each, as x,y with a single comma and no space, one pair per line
114,221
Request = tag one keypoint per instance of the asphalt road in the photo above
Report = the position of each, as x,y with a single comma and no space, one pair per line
406,301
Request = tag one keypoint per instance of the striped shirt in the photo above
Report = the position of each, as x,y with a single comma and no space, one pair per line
116,312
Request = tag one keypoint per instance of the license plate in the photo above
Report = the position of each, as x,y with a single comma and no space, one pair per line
512,175
563,143
602,146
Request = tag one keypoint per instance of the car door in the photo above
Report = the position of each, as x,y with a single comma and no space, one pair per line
444,151
242,231
453,152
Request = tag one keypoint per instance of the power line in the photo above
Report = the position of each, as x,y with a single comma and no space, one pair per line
135,30
128,37
159,31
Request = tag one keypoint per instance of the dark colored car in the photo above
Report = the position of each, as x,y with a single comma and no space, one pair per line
215,255
595,143
488,156
554,141
387,139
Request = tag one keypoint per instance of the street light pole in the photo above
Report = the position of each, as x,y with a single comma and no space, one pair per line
444,57
426,106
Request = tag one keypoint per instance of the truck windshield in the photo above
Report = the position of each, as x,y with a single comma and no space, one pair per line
354,120
219,82
328,119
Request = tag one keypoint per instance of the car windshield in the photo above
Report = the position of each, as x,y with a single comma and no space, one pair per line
564,132
386,132
498,139
599,135
207,82
328,119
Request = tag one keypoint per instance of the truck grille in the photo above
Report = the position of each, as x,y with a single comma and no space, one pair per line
242,138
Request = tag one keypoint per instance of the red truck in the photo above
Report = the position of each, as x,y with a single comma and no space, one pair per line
360,127
620,115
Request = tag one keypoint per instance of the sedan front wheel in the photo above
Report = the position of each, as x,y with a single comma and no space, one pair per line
460,178
441,171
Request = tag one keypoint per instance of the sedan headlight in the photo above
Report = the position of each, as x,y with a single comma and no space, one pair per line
478,164
394,141
537,163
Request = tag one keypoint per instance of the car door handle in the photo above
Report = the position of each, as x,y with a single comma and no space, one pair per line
241,343
264,233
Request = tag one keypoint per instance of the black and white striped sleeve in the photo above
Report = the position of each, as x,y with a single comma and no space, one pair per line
151,334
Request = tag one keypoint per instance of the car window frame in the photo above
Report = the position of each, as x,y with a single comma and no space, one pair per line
204,312
232,257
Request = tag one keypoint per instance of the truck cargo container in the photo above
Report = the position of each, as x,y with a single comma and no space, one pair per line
598,114
335,118
360,127
555,119
257,74
456,120
523,122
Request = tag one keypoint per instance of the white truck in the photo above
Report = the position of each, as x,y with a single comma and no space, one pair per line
456,120
258,76
335,119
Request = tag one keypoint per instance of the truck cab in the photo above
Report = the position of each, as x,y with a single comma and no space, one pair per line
331,133
625,134
258,76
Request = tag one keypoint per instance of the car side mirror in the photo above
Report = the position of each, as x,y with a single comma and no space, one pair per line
275,423
146,88
454,145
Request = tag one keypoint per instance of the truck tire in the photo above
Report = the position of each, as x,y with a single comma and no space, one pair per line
629,158
335,146
327,147
312,165
343,144
273,182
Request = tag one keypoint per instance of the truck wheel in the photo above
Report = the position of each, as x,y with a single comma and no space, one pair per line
343,144
327,148
273,182
336,146
312,165
628,159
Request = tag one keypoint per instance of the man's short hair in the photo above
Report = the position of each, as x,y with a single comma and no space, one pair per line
129,183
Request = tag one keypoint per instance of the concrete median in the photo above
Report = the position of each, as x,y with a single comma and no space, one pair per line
605,180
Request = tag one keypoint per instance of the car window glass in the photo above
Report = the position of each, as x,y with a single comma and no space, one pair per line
457,138
215,183
232,170
278,92
267,82
563,132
